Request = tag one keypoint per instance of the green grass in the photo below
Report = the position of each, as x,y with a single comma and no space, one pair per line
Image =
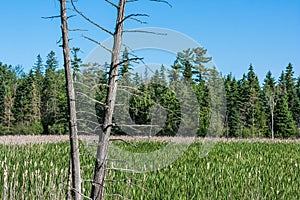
237,170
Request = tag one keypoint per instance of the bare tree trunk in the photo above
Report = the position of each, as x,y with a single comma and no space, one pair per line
100,165
74,152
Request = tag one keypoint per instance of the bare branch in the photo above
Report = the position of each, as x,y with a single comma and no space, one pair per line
101,45
86,197
111,3
89,20
51,17
90,98
130,1
141,31
138,20
71,16
163,1
134,15
130,59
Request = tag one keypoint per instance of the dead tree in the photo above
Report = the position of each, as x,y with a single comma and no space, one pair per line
74,150
103,142
101,161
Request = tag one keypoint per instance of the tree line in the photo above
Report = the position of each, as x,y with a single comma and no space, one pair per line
36,102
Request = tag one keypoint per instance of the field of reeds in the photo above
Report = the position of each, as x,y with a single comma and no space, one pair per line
232,170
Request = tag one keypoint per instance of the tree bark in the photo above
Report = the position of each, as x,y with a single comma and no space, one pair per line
101,160
74,150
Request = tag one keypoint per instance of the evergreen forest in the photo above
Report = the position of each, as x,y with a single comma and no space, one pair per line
36,102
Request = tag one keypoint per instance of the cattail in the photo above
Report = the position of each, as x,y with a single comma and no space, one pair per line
5,184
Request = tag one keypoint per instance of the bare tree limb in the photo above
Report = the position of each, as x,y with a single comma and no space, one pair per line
90,98
101,45
51,17
86,197
141,31
130,59
71,16
89,20
162,1
111,3
138,20
134,15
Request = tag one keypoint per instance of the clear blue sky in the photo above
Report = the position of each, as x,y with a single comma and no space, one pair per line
236,33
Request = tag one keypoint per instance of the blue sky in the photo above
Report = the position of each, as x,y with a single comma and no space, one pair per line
236,33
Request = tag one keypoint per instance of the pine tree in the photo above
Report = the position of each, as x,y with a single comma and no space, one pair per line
255,114
75,62
190,63
162,76
25,108
243,102
50,93
232,115
38,70
284,125
8,78
202,94
290,82
269,99
126,65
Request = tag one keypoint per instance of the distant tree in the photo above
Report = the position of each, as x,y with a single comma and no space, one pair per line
75,61
284,125
8,82
232,114
25,109
202,94
190,63
162,75
50,94
243,102
269,97
38,70
293,100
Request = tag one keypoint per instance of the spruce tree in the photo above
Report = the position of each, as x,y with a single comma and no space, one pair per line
269,100
243,102
232,114
284,125
38,70
291,90
255,114
8,79
50,93
75,62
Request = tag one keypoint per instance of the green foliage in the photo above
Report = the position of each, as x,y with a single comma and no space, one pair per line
40,97
284,124
232,116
